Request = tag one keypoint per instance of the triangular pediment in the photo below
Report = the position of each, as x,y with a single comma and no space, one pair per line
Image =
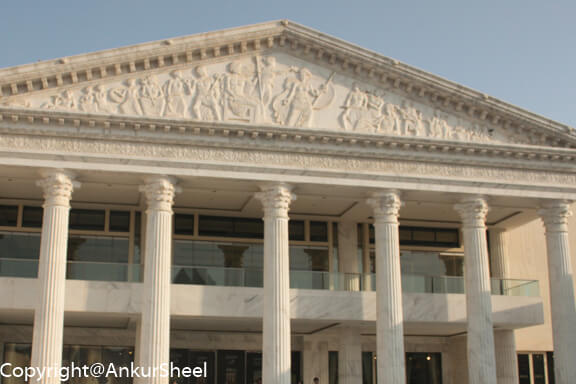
276,77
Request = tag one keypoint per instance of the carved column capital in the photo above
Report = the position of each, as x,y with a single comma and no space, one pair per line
276,199
555,215
159,192
473,211
386,206
57,185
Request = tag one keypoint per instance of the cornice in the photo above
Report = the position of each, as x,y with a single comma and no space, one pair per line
279,139
299,40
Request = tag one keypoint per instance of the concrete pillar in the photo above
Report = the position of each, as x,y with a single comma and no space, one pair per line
389,317
555,215
154,345
276,350
481,359
315,360
57,186
348,255
350,357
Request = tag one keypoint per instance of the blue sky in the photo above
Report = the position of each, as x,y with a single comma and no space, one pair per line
520,51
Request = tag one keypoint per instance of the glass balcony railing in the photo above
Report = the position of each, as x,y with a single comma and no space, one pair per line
227,277
455,284
253,277
97,271
19,268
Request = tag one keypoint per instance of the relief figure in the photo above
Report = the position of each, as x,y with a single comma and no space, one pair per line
151,97
207,99
241,104
175,90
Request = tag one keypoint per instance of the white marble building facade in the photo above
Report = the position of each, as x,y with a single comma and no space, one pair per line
279,192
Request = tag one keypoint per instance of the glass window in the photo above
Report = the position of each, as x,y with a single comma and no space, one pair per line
119,221
538,370
367,368
213,263
318,231
305,258
87,219
431,263
423,368
333,367
432,237
524,369
19,245
423,235
296,230
8,216
184,224
32,217
98,249
238,227
550,361
19,356
137,237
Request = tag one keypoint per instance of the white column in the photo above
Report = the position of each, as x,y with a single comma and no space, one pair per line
506,358
276,199
350,356
555,215
154,343
389,317
481,359
505,341
48,330
348,254
499,253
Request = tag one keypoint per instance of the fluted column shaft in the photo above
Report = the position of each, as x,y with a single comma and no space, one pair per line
154,345
389,319
499,253
506,357
481,359
505,341
276,347
49,313
555,217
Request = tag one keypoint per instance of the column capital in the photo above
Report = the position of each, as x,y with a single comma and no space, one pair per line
555,214
473,211
57,185
276,199
386,205
159,192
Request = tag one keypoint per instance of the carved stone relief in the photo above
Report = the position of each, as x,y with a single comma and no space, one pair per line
277,89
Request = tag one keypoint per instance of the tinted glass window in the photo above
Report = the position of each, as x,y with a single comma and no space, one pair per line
32,217
538,369
231,227
524,369
296,230
119,221
87,219
423,368
8,216
318,231
184,224
433,237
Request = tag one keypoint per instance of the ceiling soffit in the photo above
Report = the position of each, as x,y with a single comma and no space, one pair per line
299,78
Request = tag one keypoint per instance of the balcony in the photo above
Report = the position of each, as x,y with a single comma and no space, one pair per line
253,277
246,277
